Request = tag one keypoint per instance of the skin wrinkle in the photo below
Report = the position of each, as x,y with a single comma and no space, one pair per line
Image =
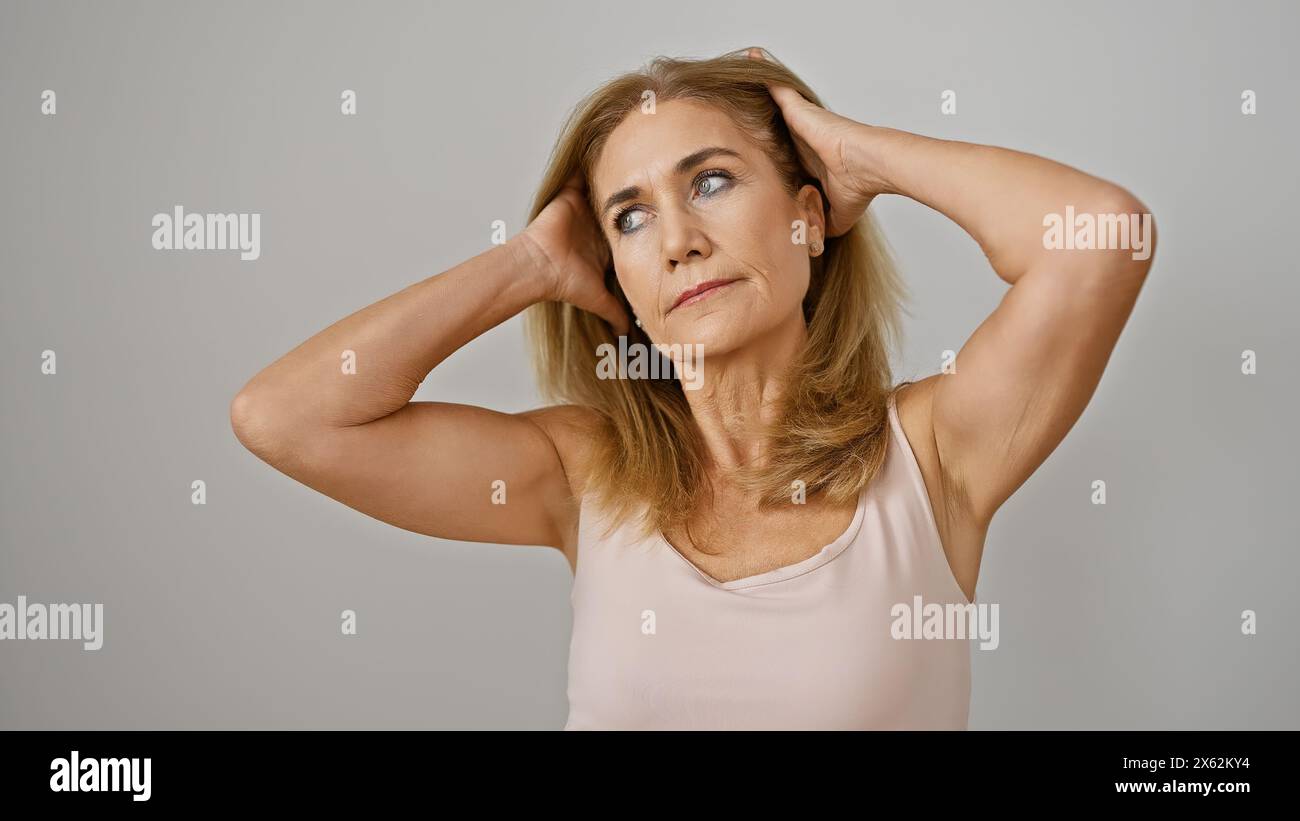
671,444
829,441
827,450
741,222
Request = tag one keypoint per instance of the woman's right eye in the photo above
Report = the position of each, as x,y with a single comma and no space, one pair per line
621,226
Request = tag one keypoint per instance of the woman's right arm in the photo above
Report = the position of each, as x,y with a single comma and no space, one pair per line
430,467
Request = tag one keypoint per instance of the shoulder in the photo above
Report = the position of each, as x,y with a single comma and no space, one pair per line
961,533
915,403
572,430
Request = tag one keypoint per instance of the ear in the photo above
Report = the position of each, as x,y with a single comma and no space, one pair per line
812,212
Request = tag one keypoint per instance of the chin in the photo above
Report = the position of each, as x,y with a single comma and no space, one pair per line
719,332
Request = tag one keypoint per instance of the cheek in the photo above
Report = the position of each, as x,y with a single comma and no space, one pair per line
637,277
766,247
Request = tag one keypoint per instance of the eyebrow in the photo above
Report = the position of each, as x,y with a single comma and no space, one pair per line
684,165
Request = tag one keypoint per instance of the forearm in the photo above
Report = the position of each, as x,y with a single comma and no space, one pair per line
999,196
395,343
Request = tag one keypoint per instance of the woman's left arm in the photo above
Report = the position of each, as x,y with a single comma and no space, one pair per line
1027,372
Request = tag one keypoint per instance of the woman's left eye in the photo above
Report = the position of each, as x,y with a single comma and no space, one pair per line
711,175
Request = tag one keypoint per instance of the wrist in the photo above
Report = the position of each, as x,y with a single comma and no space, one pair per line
533,268
870,150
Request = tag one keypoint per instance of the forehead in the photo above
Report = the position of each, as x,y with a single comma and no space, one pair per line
643,148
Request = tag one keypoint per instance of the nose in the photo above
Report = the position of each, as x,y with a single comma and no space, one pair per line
682,237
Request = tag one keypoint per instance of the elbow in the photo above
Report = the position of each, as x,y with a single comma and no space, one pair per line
1141,251
275,435
250,420
1124,235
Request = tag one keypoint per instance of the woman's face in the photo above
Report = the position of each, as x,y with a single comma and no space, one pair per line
685,197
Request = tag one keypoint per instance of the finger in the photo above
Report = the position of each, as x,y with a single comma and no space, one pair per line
789,94
576,181
787,98
759,53
612,311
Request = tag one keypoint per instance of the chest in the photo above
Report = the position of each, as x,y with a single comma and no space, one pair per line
655,648
728,548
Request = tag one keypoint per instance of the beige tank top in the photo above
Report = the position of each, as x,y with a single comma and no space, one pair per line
659,644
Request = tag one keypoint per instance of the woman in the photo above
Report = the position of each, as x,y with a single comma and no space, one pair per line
742,542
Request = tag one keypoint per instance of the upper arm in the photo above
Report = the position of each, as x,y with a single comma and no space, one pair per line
447,470
1027,372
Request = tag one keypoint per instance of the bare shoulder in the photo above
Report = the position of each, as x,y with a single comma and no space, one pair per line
962,534
914,415
571,430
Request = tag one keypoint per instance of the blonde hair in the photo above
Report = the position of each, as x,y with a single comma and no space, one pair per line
831,423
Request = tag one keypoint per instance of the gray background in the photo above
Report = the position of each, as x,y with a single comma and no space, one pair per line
227,615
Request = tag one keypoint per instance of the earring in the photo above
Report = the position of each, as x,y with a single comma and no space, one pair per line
638,322
816,247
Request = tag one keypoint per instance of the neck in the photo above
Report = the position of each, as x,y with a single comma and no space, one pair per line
739,394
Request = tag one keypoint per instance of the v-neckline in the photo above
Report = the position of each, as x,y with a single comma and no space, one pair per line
789,571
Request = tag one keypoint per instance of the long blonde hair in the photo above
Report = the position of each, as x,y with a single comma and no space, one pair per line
831,425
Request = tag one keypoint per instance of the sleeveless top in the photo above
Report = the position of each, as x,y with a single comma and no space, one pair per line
659,644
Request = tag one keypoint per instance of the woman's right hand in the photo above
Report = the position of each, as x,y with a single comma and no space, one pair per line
571,256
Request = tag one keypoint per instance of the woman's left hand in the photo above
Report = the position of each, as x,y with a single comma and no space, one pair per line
827,145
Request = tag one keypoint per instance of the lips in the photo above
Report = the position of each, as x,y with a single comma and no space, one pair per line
701,288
